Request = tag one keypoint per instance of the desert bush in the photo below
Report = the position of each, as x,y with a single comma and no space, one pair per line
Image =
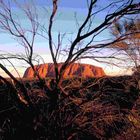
95,108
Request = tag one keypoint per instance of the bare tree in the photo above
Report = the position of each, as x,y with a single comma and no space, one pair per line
87,30
60,113
11,25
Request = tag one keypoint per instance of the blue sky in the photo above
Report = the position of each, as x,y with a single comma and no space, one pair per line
64,23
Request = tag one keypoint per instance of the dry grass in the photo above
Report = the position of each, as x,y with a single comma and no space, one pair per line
93,109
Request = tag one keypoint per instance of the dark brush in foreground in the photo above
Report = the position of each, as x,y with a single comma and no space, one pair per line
95,108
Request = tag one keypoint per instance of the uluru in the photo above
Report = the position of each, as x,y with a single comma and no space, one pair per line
74,70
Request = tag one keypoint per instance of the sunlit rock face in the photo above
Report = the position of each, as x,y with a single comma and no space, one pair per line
75,69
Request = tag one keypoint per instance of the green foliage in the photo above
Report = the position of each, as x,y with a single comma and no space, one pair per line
129,44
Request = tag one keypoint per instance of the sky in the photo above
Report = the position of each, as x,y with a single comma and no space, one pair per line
64,22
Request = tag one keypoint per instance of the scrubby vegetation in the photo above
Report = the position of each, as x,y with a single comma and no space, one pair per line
94,108
73,108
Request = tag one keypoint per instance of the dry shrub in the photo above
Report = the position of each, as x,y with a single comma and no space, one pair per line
92,109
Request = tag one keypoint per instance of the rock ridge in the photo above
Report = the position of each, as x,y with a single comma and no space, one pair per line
74,70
